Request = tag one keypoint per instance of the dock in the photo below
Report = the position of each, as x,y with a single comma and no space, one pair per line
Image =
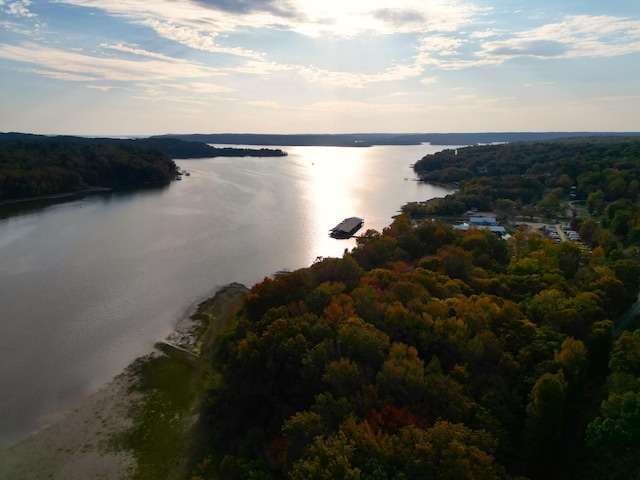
347,227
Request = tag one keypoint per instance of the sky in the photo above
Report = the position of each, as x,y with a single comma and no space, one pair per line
142,67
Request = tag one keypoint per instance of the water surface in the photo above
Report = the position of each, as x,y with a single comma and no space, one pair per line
89,285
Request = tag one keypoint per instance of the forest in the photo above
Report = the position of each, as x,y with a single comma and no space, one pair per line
430,353
37,165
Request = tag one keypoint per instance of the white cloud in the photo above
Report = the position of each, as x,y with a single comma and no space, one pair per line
102,88
57,75
337,17
358,80
200,88
429,81
307,17
18,8
440,45
57,63
575,36
196,39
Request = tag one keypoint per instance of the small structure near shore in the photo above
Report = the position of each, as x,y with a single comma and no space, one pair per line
347,227
483,221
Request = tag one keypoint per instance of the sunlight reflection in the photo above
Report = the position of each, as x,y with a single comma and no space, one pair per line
332,172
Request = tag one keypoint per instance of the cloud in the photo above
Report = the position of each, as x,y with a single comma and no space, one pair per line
306,17
196,39
102,88
527,48
18,8
395,16
133,49
574,37
66,76
440,45
358,80
60,64
276,7
348,19
200,87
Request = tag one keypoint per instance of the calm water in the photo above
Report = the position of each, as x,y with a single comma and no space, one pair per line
89,285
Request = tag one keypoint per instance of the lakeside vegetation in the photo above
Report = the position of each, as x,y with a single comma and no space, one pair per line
427,352
33,166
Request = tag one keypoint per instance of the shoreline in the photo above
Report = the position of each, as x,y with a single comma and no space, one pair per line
86,442
56,196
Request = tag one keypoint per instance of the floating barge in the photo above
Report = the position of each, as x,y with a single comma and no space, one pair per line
347,227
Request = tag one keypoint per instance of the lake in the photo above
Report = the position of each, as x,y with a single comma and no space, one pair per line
88,285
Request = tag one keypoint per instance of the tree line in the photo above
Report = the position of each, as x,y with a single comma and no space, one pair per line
534,178
427,352
66,165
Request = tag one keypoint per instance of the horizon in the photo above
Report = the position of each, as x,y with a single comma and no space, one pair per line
170,134
86,67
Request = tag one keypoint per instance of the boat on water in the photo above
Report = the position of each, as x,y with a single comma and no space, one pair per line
347,227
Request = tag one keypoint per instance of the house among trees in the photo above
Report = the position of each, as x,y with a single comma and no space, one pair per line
497,229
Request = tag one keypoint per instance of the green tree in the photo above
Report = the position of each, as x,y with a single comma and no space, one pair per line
328,458
544,423
448,451
614,437
402,375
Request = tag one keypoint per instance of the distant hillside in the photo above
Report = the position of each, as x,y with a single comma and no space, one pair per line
36,165
174,147
369,139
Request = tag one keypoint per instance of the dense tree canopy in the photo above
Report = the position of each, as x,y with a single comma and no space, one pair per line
47,167
429,352
37,165
463,356
546,180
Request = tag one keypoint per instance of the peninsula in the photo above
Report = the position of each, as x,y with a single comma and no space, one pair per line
35,166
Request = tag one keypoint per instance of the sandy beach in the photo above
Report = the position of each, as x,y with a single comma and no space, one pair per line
80,445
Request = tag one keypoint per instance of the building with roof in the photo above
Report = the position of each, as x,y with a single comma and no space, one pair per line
483,221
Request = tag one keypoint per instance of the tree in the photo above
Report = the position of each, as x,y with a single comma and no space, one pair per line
505,208
363,343
614,437
552,206
456,262
402,375
544,423
329,457
448,451
343,377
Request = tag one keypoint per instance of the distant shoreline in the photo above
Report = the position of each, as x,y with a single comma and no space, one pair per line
56,196
359,140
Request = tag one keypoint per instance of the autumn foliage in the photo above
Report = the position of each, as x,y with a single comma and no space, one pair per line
475,360
426,352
